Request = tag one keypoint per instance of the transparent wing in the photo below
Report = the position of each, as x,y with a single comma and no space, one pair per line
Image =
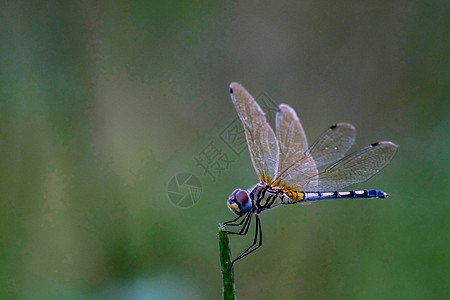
294,168
333,144
354,168
261,140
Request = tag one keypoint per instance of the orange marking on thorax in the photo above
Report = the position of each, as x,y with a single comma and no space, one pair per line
294,195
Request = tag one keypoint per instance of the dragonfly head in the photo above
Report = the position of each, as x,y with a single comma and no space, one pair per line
239,202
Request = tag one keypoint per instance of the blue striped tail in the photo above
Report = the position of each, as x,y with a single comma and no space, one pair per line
314,196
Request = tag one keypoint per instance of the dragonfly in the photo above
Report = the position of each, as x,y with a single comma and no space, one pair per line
292,172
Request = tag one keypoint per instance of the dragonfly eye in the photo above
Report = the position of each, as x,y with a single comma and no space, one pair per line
239,202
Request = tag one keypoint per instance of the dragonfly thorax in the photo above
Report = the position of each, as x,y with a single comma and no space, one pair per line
265,197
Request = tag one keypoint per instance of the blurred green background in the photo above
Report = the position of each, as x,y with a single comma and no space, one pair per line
102,103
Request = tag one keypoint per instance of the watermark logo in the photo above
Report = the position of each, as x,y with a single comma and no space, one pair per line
234,137
184,190
219,154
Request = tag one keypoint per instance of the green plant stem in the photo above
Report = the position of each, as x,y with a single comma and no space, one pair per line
225,260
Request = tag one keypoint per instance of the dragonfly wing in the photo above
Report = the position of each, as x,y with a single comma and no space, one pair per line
294,167
261,140
333,144
354,168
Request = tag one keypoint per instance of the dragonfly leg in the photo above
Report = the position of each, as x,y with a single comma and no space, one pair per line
258,236
233,222
247,220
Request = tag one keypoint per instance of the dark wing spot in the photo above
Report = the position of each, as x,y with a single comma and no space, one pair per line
375,144
231,90
333,126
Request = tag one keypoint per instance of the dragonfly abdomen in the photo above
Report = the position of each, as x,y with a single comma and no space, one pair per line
314,196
